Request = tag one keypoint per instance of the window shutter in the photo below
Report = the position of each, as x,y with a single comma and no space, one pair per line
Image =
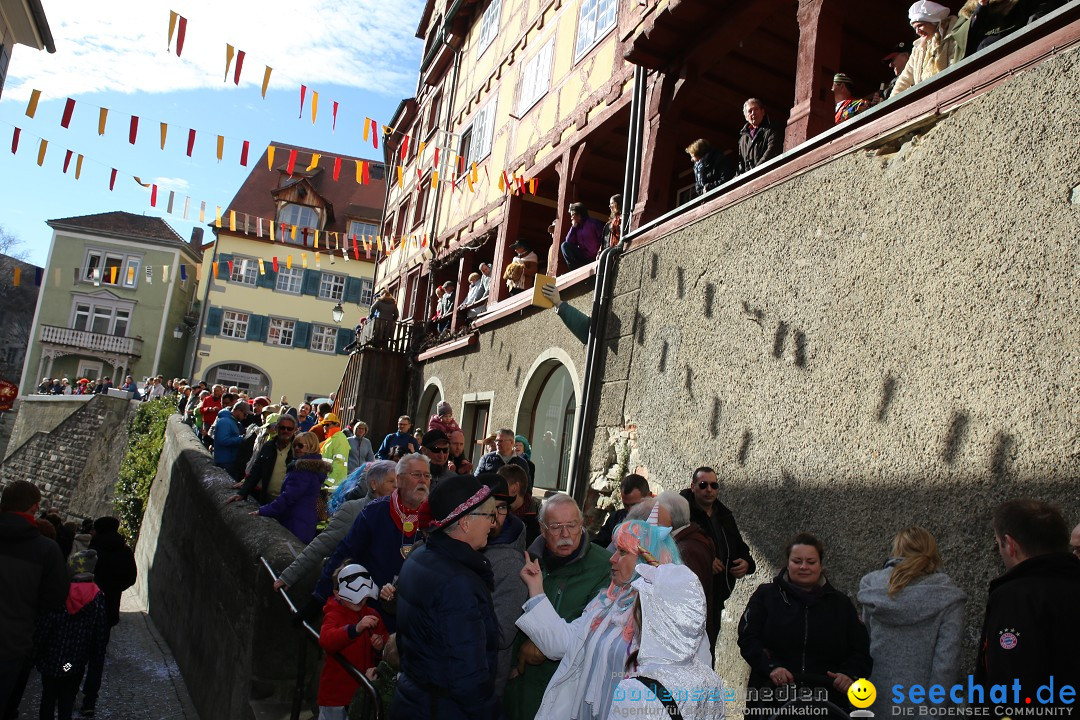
269,278
312,278
214,317
344,337
257,327
223,260
352,289
301,334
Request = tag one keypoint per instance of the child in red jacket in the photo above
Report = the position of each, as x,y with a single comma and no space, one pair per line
352,629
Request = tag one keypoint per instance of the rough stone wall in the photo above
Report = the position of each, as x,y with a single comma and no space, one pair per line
75,454
883,341
205,587
48,412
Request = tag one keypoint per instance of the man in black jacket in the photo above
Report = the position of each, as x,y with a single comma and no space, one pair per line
1031,631
270,466
33,576
733,559
758,140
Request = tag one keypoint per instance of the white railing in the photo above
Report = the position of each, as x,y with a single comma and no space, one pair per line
91,340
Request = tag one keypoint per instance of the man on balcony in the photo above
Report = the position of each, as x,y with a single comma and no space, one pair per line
583,239
521,272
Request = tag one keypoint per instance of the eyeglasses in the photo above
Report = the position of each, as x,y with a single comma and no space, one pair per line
439,449
490,516
417,474
703,484
502,509
570,527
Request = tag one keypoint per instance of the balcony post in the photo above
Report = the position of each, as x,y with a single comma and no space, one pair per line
820,44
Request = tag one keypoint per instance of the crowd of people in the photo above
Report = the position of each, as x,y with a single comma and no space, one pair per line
151,388
62,583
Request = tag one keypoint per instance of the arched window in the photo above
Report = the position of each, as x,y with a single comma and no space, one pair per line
547,419
428,402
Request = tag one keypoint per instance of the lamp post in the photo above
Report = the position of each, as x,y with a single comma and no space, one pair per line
338,313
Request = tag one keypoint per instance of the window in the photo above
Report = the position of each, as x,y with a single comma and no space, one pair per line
93,262
332,287
536,77
595,18
403,216
281,332
234,325
102,315
323,338
367,289
359,228
465,148
299,215
244,271
131,272
433,115
552,421
81,320
5,58
481,133
421,200
489,26
120,323
105,263
290,280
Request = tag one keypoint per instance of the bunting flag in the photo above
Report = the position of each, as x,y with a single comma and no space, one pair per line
229,263
103,115
288,261
404,148
292,233
153,195
130,275
215,266
533,184
375,134
266,80
239,66
183,272
355,247
314,105
292,162
18,276
318,263
275,264
187,205
31,107
229,52
164,132
272,232
270,157
112,179
67,161
172,27
359,172
164,273
78,166
315,157
217,216
258,226
316,239
149,274
232,221
400,176
303,93
337,167
172,197
367,173
244,156
303,260
202,212
69,107
112,275
262,267
333,125
220,146
133,130
41,151
181,31
367,126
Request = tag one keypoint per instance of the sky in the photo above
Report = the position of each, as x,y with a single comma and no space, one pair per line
361,53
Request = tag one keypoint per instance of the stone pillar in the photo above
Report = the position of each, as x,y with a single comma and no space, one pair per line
820,44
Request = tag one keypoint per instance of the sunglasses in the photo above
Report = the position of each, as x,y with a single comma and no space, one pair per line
439,449
702,485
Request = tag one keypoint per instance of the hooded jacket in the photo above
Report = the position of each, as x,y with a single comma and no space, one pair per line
506,553
34,579
336,451
728,543
712,171
227,438
916,635
295,506
338,635
115,571
70,638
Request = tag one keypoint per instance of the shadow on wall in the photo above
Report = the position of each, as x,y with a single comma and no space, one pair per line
205,587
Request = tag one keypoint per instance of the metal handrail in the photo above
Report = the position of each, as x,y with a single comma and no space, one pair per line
354,673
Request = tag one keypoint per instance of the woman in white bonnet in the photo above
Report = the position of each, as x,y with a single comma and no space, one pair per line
935,49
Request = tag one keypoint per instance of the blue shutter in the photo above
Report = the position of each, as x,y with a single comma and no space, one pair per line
267,279
352,289
310,286
223,260
344,337
257,328
301,334
214,317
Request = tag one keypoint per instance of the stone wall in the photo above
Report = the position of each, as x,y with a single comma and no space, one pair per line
71,448
205,587
882,341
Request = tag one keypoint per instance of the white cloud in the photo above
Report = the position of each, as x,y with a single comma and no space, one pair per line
168,183
121,46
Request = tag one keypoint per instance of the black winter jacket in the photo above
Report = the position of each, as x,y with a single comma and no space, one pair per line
764,145
711,171
729,545
115,571
263,469
34,578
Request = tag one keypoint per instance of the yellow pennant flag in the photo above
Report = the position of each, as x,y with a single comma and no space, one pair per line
35,95
315,157
316,240
103,115
359,171
232,221
172,27
112,274
303,260
220,146
164,132
18,276
314,105
202,211
262,267
469,180
164,273
272,224
266,80
229,52
367,124
215,270
217,219
420,150
288,261
270,157
475,173
292,233
78,166
400,177
131,275
318,263
434,179
378,242
41,151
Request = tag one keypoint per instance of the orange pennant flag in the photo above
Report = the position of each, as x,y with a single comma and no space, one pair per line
262,267
434,179
103,115
229,52
78,166
220,146
314,105
41,151
35,95
18,276
172,27
292,233
270,157
272,224
367,124
316,242
164,132
217,217
315,157
232,221
400,176
288,261
112,274
359,172
215,271
266,80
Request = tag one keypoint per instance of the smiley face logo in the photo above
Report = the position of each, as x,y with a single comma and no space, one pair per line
862,693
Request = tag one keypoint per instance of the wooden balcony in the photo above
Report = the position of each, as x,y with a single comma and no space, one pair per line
91,341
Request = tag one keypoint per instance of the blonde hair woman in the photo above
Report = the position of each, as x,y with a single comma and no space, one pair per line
935,46
914,614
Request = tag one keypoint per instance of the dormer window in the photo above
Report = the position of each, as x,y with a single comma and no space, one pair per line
299,215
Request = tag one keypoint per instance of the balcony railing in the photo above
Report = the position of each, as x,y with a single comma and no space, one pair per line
96,342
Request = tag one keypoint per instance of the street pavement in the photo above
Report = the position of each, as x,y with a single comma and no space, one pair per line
141,680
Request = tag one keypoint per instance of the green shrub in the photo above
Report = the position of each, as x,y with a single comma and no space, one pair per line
146,437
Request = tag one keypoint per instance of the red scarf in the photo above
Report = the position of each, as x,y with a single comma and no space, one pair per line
401,513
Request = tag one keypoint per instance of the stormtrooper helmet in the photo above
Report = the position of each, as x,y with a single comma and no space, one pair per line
355,584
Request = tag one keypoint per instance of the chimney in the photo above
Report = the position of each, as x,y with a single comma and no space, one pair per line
196,236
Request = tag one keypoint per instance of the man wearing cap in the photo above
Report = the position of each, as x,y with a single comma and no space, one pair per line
435,446
228,438
935,48
847,105
758,139
506,553
521,272
583,239
448,634
335,448
897,61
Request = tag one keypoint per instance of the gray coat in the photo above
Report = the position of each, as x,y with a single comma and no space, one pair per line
310,560
506,553
360,452
915,636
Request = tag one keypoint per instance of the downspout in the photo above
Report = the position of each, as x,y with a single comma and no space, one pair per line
602,297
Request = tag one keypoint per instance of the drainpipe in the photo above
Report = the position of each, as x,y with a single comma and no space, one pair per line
602,296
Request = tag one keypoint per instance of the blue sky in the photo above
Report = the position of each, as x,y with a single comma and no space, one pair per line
361,53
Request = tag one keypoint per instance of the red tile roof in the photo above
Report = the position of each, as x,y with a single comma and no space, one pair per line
122,223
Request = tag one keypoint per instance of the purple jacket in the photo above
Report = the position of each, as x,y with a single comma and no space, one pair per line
295,506
588,237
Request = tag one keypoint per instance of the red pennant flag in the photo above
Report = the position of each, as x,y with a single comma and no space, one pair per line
303,94
134,129
404,148
112,179
239,64
230,267
333,127
355,247
181,31
275,264
436,157
367,173
153,195
190,141
375,134
244,153
69,107
15,140
292,162
67,161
